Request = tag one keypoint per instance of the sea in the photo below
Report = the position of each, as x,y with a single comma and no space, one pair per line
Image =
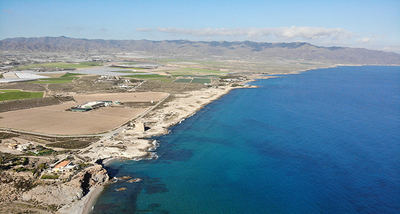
323,141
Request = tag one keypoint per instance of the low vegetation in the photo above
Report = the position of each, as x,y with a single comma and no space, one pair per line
183,80
8,161
18,94
49,176
66,78
128,67
145,76
6,135
156,77
127,71
59,65
201,80
41,151
196,71
73,144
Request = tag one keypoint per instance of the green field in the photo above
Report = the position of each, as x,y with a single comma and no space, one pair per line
18,94
129,68
183,80
158,77
127,71
70,75
9,90
201,80
62,65
201,62
66,78
195,71
145,76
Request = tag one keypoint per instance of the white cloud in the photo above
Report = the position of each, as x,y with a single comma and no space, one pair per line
315,35
364,39
282,33
393,48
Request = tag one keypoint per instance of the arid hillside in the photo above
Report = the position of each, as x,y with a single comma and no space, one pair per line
245,50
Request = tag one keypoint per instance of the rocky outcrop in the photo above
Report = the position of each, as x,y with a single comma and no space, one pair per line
68,192
12,184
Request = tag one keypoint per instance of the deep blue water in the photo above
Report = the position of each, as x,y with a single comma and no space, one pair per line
324,141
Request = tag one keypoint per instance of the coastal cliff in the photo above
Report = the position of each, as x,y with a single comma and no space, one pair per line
49,197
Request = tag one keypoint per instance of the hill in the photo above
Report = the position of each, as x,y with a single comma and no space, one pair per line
201,49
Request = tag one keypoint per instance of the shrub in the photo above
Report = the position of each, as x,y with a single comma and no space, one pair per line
49,176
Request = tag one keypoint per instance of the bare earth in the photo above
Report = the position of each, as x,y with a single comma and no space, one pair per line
54,120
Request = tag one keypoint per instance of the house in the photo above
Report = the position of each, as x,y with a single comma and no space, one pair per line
63,166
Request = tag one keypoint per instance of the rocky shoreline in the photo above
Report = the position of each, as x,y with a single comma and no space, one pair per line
40,188
77,194
131,144
139,145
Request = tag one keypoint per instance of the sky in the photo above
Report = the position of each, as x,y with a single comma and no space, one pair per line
364,23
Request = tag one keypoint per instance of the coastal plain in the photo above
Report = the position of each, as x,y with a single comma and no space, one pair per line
37,134
52,159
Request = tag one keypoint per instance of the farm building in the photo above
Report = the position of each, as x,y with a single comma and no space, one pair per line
91,105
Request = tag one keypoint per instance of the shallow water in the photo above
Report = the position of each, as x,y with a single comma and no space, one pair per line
324,141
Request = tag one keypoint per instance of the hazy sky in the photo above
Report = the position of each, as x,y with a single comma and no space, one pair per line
363,23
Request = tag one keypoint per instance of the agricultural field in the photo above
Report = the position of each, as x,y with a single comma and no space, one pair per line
59,65
183,80
127,67
145,76
127,71
201,80
55,120
193,80
66,78
156,77
195,71
15,94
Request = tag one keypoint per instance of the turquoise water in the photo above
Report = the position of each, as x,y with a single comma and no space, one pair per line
324,141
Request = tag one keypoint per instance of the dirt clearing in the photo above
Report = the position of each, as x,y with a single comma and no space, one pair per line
55,120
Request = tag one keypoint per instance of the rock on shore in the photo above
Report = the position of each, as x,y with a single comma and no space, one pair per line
68,192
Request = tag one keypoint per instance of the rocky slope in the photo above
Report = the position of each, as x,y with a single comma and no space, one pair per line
22,193
66,193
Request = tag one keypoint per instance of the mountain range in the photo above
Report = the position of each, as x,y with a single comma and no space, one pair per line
205,49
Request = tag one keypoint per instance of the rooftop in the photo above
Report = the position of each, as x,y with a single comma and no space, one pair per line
62,164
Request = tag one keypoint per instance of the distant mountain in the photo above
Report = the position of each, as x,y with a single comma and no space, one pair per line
184,48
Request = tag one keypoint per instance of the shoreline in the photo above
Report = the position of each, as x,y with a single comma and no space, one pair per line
196,157
85,207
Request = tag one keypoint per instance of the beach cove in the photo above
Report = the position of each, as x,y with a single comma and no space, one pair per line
321,141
